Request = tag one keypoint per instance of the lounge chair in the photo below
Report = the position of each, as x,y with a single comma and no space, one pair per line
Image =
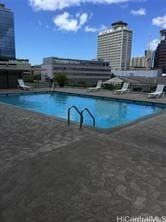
158,93
98,87
124,89
22,85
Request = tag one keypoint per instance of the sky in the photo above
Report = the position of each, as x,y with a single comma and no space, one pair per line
69,28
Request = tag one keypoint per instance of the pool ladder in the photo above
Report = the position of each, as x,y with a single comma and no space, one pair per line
81,115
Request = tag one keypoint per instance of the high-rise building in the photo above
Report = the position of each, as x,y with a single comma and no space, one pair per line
114,46
143,62
7,39
149,54
160,54
139,62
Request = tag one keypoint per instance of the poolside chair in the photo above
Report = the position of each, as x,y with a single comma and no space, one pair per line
158,93
124,89
98,87
22,85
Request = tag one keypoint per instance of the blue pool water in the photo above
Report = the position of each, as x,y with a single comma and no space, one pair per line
108,113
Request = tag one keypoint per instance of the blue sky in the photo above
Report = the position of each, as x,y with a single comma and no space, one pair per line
69,28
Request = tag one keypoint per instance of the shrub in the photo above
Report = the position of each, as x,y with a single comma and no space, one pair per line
28,78
61,79
109,87
37,77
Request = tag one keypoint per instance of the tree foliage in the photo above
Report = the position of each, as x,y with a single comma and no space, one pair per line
61,79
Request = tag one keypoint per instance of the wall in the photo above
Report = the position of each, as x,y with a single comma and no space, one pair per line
151,73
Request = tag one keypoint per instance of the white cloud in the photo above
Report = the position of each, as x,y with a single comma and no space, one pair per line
53,5
153,44
94,29
83,19
160,21
66,21
139,12
90,29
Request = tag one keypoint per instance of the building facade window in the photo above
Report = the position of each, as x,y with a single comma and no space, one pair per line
7,39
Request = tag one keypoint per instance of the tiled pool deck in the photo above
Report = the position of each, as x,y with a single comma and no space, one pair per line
51,172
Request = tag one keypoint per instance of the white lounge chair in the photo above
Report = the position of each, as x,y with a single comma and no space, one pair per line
158,93
98,87
124,88
22,85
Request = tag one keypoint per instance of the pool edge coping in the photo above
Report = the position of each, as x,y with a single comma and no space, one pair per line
104,97
97,129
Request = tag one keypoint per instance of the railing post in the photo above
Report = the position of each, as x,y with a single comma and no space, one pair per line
85,109
68,116
81,115
81,120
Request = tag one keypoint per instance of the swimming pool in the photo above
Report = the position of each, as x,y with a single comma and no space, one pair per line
107,113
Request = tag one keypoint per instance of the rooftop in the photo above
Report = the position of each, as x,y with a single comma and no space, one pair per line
52,172
2,7
119,23
116,26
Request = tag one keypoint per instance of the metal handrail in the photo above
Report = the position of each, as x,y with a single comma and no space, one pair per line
81,117
86,109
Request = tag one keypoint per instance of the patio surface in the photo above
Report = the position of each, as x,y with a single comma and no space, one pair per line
107,93
51,172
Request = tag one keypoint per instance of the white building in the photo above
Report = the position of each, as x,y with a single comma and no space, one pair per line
139,62
76,70
137,73
114,46
143,62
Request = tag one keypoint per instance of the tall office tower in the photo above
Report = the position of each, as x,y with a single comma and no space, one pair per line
149,54
114,45
160,54
7,39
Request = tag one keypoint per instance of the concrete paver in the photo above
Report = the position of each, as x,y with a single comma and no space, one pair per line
53,172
